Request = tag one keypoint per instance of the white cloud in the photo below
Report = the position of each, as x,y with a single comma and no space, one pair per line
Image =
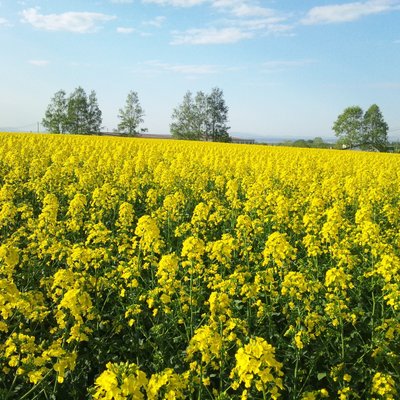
244,17
210,36
4,22
279,65
156,22
77,22
250,16
176,3
121,1
246,10
39,63
348,12
124,30
242,8
238,8
190,71
271,25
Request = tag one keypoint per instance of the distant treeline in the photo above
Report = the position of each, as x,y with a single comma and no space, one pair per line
317,143
200,117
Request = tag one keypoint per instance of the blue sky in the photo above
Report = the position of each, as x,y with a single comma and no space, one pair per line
287,68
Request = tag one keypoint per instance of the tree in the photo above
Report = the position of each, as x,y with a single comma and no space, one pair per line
217,116
131,116
94,114
183,125
319,143
76,114
369,130
349,126
203,117
84,115
375,128
200,116
55,119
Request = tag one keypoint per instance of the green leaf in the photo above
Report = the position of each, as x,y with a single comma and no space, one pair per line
321,375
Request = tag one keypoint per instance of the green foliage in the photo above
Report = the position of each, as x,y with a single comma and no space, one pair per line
131,116
349,126
217,112
78,113
94,113
375,128
184,125
367,130
317,143
203,117
55,119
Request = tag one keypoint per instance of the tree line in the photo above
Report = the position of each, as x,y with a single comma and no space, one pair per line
354,128
200,117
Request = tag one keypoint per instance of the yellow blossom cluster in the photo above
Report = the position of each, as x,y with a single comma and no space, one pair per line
150,269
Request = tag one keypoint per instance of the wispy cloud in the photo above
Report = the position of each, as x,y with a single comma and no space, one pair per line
77,22
264,25
121,1
125,30
347,12
240,8
242,18
157,22
184,69
210,36
176,3
280,65
4,22
39,63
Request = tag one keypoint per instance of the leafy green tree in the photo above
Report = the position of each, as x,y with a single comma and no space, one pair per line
369,130
94,114
131,116
55,119
200,115
349,126
84,115
217,116
76,114
319,143
203,117
183,124
77,111
375,129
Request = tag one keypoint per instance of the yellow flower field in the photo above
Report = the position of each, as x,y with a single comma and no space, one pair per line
149,269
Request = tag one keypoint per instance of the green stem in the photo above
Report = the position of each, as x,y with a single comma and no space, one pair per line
191,300
33,388
296,369
373,317
221,364
342,338
12,386
201,382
